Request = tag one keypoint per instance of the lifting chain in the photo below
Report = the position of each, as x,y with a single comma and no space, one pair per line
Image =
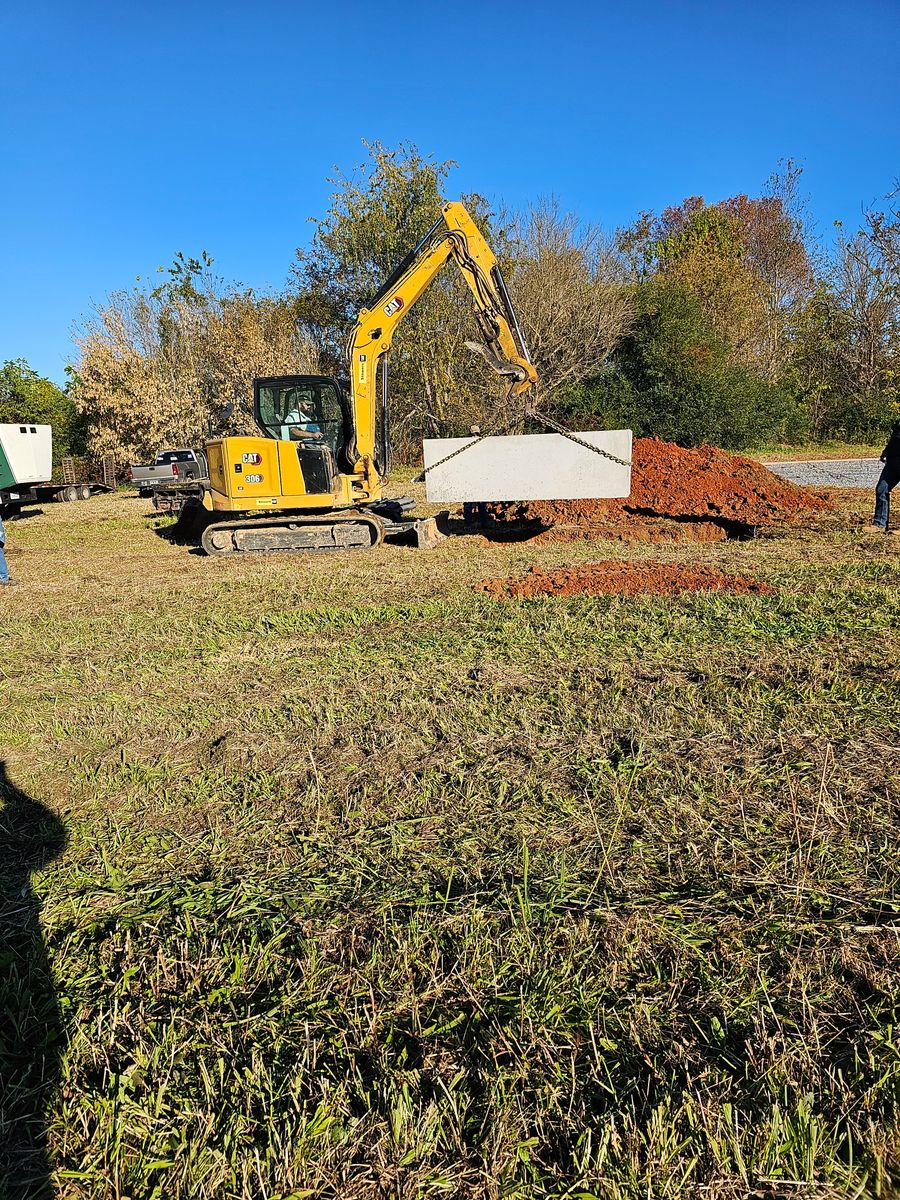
541,419
573,437
479,437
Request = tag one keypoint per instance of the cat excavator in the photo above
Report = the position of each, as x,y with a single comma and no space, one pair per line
311,480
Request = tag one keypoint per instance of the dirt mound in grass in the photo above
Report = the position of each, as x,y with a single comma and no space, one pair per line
704,490
619,578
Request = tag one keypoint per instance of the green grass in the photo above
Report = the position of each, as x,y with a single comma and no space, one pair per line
373,887
829,449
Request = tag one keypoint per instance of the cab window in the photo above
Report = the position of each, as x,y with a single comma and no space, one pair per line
307,411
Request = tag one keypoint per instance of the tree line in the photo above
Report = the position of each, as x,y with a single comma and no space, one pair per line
27,396
720,321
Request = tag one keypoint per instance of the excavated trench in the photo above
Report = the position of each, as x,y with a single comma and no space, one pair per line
677,494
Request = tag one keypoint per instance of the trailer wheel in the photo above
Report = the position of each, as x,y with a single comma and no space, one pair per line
67,494
84,492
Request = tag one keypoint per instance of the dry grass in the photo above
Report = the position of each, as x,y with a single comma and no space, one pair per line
810,451
375,887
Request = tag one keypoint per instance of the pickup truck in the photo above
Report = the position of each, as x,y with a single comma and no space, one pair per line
170,466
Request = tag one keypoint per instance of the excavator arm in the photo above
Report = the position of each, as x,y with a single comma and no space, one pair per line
455,235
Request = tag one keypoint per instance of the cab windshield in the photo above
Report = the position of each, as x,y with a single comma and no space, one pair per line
301,410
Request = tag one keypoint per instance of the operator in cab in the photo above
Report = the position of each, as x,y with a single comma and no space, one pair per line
302,421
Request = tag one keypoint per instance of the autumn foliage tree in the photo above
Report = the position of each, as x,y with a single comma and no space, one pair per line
721,290
161,366
745,259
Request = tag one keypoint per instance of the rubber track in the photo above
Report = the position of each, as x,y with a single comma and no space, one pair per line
213,533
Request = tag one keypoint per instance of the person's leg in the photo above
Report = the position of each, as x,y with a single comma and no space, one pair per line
882,500
893,480
4,569
887,481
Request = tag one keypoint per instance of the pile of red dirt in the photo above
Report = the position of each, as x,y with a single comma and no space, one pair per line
619,578
707,491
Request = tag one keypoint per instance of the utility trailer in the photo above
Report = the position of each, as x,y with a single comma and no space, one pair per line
26,471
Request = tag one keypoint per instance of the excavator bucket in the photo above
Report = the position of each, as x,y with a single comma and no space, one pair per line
541,466
426,533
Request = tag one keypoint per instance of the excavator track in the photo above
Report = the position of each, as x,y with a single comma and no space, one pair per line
290,534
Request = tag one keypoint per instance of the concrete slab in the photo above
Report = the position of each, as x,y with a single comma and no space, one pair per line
538,466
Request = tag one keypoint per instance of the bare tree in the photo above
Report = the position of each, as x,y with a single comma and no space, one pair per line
883,230
570,292
777,245
868,289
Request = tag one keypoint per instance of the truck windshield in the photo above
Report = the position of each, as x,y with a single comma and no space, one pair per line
307,411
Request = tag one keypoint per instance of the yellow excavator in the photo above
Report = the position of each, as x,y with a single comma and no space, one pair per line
311,480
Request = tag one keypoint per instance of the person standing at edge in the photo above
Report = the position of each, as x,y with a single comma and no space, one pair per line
889,478
4,569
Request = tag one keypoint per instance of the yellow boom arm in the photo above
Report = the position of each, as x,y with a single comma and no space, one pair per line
454,236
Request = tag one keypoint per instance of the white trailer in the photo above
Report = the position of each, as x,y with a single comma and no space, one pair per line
26,469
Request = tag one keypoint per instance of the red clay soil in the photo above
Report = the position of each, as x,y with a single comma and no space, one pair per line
667,481
630,528
619,578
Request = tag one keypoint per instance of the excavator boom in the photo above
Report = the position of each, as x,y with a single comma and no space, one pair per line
455,235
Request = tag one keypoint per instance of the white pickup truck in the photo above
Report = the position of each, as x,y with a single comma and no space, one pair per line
169,466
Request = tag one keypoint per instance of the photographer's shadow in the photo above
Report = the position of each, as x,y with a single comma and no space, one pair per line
31,1028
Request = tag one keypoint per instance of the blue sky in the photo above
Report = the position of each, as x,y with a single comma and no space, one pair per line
129,131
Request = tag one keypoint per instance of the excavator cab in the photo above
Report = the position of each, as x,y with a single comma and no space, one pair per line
308,409
311,411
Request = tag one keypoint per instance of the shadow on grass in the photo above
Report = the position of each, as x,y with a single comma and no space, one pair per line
31,1027
23,514
188,528
491,531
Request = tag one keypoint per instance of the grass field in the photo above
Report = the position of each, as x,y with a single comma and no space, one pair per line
816,450
333,878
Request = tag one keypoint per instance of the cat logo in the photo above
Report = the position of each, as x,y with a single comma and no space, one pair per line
393,306
252,457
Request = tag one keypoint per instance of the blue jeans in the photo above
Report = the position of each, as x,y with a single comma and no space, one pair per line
4,569
888,479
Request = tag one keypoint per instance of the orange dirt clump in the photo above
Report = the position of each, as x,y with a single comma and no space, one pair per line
667,481
622,578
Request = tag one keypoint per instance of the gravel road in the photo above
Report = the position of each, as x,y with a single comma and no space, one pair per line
830,472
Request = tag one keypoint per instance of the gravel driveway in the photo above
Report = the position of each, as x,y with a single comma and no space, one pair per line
830,472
